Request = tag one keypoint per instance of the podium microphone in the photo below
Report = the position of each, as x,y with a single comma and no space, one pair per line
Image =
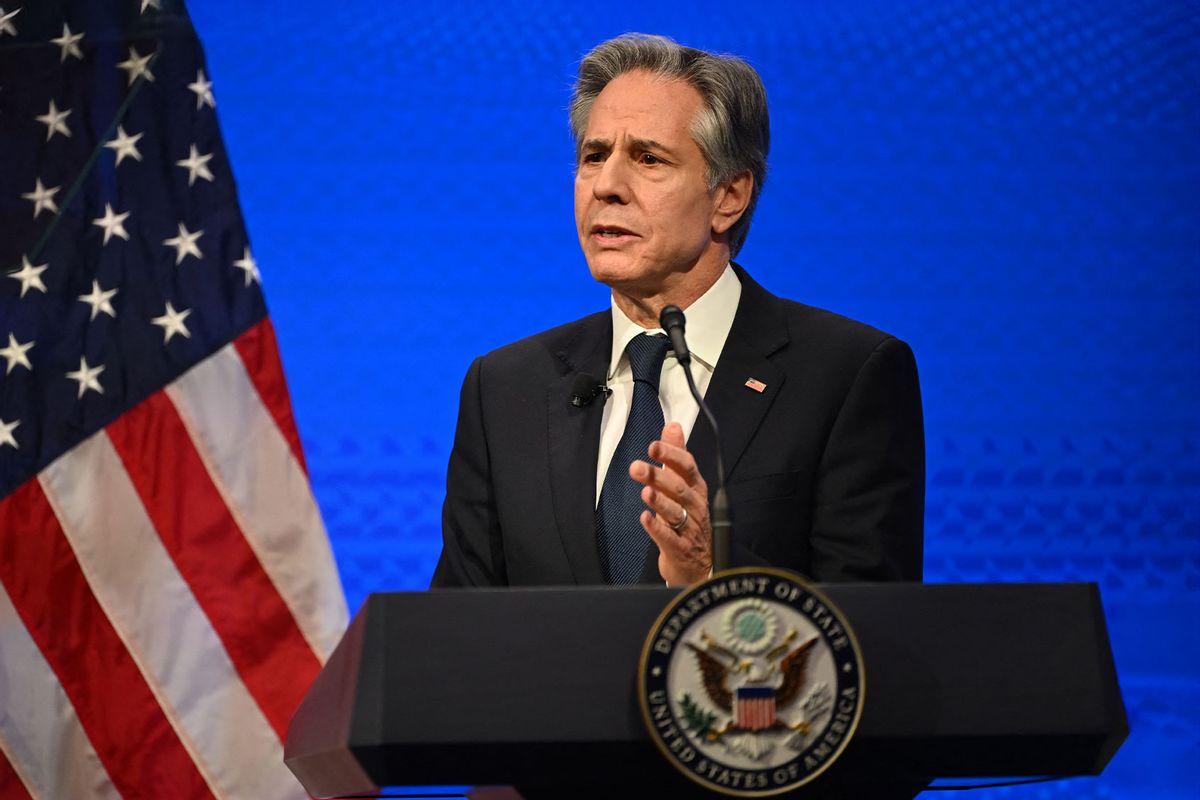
672,320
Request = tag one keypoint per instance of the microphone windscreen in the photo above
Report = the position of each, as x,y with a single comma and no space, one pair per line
671,317
584,390
672,321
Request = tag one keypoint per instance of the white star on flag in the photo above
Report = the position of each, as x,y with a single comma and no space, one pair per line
203,90
196,164
6,25
69,42
184,243
15,354
113,224
29,276
55,121
125,145
135,65
99,300
88,377
248,265
42,198
172,322
6,429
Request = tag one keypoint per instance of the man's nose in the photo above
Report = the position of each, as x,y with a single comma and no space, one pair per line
612,180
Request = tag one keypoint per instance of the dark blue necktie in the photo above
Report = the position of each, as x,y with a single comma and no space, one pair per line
622,542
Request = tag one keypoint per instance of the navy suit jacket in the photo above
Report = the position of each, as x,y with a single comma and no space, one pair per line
825,466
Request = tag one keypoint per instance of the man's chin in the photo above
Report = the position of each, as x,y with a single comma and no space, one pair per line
615,270
632,277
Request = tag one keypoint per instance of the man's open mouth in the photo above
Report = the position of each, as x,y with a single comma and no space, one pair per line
610,231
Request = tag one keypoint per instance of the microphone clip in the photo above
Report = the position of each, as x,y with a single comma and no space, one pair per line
586,390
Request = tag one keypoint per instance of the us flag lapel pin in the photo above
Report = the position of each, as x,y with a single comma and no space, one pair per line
756,384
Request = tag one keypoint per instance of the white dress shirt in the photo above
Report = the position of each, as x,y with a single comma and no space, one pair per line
708,322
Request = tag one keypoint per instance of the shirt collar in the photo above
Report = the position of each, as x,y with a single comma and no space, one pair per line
708,322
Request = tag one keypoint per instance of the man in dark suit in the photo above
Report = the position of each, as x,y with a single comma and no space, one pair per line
821,429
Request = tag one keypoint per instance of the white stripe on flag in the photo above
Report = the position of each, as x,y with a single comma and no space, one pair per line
39,730
266,490
167,634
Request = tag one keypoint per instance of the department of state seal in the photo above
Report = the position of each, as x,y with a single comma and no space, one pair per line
751,683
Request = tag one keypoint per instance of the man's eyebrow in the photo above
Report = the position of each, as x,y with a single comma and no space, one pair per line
648,144
636,144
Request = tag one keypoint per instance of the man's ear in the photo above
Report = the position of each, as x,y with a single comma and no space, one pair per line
733,196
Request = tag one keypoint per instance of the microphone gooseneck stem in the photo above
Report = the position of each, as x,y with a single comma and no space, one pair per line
722,525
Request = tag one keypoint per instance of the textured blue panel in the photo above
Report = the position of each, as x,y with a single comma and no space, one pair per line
1014,188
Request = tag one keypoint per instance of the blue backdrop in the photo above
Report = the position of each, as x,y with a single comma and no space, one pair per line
1014,188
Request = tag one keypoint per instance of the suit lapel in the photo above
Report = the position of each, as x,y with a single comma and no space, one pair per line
759,330
574,443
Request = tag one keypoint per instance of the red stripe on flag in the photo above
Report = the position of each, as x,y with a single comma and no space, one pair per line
260,354
258,630
11,787
115,705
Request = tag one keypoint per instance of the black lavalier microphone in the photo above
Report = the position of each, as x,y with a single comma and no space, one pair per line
672,320
586,389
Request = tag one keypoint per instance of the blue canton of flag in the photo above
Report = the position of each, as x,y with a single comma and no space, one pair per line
126,257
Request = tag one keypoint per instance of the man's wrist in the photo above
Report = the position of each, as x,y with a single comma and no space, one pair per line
670,585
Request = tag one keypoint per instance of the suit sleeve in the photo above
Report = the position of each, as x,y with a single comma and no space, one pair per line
868,517
472,554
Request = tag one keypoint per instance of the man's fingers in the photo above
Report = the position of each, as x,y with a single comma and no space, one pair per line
668,541
664,538
685,556
665,509
677,459
671,451
672,434
666,480
684,538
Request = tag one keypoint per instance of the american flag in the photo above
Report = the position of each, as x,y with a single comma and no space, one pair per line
167,591
755,707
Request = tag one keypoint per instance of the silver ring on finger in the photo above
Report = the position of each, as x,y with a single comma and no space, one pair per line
677,527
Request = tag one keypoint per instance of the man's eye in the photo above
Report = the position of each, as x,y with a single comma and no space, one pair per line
650,158
593,158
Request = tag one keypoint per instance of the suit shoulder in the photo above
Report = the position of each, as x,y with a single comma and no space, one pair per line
837,348
809,323
552,345
807,331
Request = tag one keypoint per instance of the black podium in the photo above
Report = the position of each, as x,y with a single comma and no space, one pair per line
535,688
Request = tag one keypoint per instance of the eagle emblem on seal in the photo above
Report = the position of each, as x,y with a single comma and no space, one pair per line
754,677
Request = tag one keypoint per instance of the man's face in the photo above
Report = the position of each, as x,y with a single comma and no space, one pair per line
642,207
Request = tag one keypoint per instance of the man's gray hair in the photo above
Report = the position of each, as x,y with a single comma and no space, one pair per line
733,128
